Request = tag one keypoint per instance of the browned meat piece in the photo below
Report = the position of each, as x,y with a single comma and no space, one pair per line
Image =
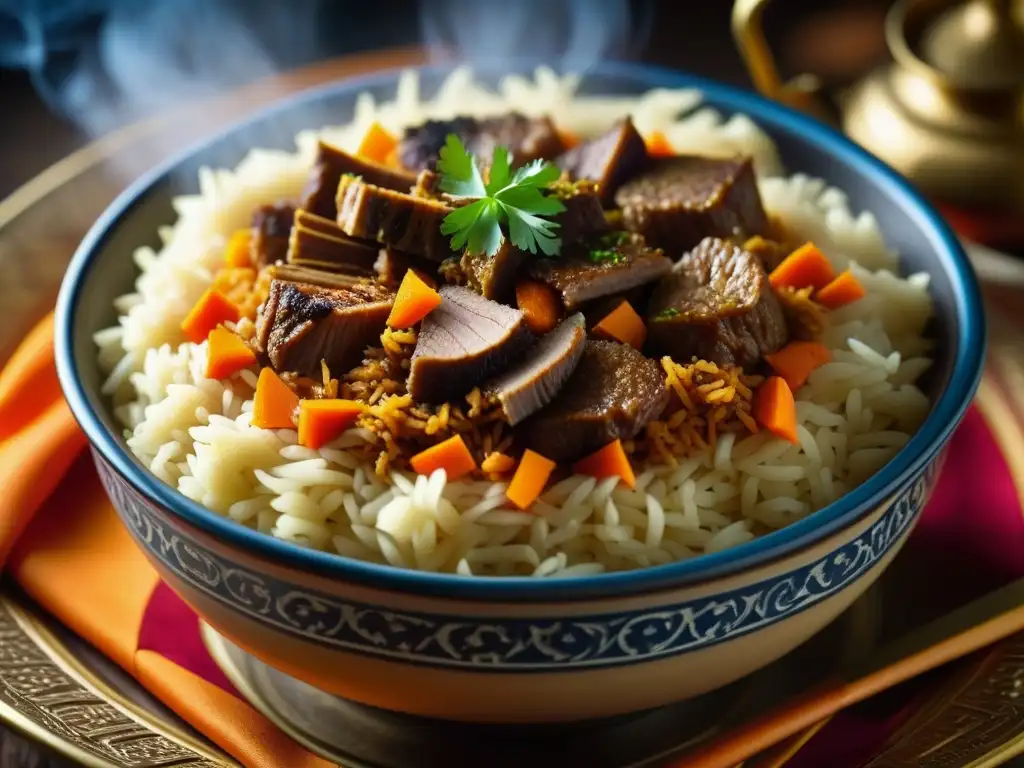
301,324
770,252
401,221
611,395
271,225
527,139
319,243
320,195
609,160
680,200
426,184
394,264
462,343
531,383
299,274
717,305
493,277
583,218
604,270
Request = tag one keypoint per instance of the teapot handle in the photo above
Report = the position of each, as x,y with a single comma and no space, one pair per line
804,92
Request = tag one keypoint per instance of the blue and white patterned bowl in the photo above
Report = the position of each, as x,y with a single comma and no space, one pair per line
522,649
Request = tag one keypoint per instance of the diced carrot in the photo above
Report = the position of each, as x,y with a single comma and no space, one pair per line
658,145
452,456
607,462
320,421
775,409
795,361
414,301
540,305
623,324
569,139
497,463
226,353
529,480
845,289
239,250
274,404
212,309
805,267
377,144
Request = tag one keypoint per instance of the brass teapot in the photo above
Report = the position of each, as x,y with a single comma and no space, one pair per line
947,112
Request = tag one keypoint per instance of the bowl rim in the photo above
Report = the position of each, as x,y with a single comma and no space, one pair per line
946,412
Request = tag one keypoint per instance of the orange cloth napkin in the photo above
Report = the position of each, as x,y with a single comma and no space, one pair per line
61,540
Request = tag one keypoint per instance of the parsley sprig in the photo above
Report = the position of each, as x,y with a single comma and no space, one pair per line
516,201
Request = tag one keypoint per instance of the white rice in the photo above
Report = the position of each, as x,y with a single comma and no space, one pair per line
194,433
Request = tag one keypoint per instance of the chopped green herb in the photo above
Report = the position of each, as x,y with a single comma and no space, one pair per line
605,256
517,201
613,239
667,313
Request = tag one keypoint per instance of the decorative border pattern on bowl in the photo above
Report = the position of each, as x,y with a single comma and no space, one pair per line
508,644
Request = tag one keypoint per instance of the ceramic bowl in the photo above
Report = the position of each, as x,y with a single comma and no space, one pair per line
522,649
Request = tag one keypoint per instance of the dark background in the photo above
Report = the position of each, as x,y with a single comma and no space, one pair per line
39,123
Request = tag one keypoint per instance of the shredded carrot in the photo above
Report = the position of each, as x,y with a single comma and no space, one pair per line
775,408
529,480
806,266
226,353
239,250
377,144
539,304
795,361
452,456
658,145
497,463
607,462
320,421
845,289
212,309
414,301
623,324
274,404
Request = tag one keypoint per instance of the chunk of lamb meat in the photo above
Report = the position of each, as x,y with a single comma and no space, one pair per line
319,243
401,221
603,271
466,340
717,305
493,277
301,324
678,201
392,266
320,195
583,219
271,226
527,139
610,160
530,384
611,395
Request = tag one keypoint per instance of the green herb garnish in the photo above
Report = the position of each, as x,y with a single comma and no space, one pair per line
605,256
517,201
667,313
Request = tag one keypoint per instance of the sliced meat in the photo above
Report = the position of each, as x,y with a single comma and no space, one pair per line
396,219
320,195
606,269
392,266
611,395
609,160
465,341
527,139
533,382
717,305
770,252
493,276
301,324
271,226
680,200
319,243
299,274
583,219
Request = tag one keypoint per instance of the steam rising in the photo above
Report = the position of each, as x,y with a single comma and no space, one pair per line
570,34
